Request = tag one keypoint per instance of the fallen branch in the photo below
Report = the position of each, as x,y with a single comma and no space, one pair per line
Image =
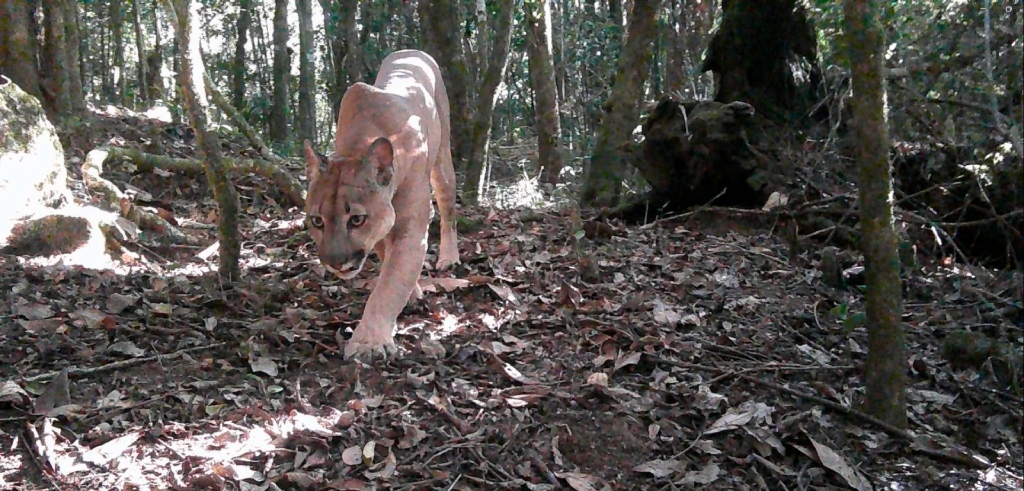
117,365
115,199
146,162
243,126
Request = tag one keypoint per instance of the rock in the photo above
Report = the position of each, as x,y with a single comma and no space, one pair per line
32,172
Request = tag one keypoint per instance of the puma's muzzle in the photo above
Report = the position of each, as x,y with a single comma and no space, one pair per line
346,266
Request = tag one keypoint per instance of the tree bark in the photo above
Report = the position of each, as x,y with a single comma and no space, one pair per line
282,72
441,26
55,51
476,166
140,48
185,16
238,65
17,48
307,72
885,369
117,34
76,93
542,80
765,54
603,179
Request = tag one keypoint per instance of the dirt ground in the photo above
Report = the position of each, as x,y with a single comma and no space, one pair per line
677,355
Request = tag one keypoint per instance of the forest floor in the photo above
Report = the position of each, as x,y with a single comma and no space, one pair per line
676,355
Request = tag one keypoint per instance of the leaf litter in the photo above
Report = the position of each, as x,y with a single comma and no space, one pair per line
647,358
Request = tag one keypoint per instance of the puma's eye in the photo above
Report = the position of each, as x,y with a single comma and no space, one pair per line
355,221
316,221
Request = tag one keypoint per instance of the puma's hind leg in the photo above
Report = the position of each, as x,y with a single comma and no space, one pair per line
442,181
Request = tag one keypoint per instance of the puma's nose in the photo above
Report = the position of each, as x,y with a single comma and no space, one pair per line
346,266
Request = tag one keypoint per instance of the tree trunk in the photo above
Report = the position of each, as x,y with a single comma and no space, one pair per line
441,26
155,62
340,23
17,48
238,67
282,71
765,54
76,93
476,166
117,33
604,178
140,48
885,369
542,80
55,51
307,72
207,145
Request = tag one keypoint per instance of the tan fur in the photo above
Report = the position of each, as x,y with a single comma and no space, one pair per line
391,148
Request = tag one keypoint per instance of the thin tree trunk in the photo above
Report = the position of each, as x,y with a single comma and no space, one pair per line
307,71
238,66
190,77
885,369
73,43
19,47
603,180
542,80
140,47
282,71
117,33
84,50
477,166
55,50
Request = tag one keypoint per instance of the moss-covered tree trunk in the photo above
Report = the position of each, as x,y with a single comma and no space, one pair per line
307,72
493,73
55,50
542,80
281,74
884,373
17,48
603,180
190,77
441,26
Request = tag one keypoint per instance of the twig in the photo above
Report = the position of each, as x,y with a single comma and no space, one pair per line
886,427
120,364
890,429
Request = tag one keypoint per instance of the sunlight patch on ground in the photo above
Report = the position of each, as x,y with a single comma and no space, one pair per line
160,112
450,324
223,450
526,192
10,465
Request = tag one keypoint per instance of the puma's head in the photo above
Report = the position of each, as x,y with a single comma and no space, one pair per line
348,204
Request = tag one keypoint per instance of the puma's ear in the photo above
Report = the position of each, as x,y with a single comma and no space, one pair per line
313,162
382,156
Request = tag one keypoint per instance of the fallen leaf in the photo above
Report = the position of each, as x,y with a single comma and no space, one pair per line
836,463
660,468
264,364
126,348
707,475
352,455
117,302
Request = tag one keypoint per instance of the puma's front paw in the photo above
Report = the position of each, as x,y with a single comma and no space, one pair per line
368,341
